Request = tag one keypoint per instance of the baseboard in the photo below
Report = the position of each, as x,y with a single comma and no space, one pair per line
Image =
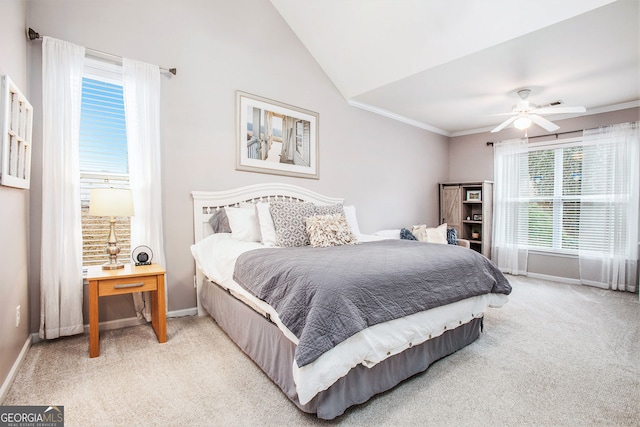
14,370
134,321
117,324
127,322
553,278
103,326
183,313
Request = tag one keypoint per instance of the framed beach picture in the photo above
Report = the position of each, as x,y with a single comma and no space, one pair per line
474,195
275,138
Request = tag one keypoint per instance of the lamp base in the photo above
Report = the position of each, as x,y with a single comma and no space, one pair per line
112,249
109,266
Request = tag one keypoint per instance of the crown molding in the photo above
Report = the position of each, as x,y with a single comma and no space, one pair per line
434,129
589,112
397,117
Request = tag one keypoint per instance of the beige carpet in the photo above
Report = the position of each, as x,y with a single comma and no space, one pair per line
555,355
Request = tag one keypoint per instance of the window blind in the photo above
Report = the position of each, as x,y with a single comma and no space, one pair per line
606,199
103,156
103,132
568,187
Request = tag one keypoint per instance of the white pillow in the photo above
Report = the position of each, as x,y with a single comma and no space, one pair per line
431,235
388,234
267,228
244,224
350,215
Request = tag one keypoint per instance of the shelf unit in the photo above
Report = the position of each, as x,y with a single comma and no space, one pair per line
468,207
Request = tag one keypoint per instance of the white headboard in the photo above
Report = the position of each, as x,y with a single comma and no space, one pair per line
206,203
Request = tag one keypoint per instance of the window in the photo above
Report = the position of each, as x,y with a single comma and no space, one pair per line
554,177
103,155
556,197
16,123
574,196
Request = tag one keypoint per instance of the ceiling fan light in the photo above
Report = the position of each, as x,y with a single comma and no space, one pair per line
522,123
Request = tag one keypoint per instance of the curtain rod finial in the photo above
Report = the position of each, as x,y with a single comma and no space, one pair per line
173,71
32,34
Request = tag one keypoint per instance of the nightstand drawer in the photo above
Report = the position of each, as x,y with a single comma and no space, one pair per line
127,285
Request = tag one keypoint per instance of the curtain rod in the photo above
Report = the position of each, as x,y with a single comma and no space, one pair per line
33,35
490,143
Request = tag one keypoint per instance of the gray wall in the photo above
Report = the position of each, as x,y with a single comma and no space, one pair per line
388,170
13,203
470,159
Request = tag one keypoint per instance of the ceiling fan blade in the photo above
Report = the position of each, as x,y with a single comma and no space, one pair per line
541,121
559,110
504,124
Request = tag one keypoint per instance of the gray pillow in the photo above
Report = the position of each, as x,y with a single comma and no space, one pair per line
330,209
289,221
219,222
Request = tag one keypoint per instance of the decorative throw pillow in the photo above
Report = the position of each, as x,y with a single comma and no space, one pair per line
288,219
407,235
452,236
431,235
420,232
329,209
329,230
219,222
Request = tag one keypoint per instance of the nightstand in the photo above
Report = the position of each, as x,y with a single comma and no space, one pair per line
126,280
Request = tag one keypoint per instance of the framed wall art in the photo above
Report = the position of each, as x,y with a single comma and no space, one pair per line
16,121
275,138
474,195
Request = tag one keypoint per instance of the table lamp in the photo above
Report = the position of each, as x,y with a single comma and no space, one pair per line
111,202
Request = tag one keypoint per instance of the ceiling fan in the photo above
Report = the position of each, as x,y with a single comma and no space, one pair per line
524,114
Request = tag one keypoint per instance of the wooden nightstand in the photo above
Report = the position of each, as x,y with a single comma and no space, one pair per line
127,280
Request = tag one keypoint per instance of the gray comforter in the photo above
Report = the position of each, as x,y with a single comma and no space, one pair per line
325,295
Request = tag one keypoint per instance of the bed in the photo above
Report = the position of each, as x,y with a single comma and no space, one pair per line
347,353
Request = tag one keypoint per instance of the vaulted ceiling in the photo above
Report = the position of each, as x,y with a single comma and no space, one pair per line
451,66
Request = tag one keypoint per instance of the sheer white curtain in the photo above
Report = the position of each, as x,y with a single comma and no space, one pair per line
61,263
510,214
608,240
141,87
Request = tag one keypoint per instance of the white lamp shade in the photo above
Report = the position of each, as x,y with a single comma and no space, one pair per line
110,202
522,122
